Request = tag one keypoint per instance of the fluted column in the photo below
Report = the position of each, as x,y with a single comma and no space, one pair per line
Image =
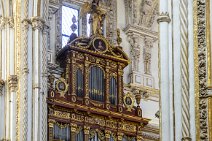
184,70
164,66
25,72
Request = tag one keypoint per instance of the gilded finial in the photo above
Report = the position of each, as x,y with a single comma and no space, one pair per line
119,39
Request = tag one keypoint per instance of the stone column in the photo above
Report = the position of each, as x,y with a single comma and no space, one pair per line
44,115
73,131
37,25
13,82
165,105
25,73
86,133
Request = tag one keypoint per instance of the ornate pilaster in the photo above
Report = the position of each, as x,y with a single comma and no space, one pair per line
201,69
13,83
135,57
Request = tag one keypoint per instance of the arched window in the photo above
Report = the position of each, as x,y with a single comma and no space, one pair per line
79,83
96,84
113,91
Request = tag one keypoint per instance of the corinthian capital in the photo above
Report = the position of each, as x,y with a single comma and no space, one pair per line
3,22
1,86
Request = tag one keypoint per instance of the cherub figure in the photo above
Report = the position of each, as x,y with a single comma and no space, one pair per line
96,18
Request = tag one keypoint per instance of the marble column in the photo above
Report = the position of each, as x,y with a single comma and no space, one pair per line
37,25
13,82
163,20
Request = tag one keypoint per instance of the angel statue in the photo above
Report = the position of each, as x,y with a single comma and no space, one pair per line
97,16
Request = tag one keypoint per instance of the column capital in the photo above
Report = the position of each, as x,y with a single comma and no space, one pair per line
86,130
13,82
107,134
120,136
1,86
37,23
73,127
164,17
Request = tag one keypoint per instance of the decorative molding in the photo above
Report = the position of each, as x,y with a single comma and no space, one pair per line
164,17
202,55
13,82
1,87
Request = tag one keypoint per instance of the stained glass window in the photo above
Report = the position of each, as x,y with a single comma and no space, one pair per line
67,24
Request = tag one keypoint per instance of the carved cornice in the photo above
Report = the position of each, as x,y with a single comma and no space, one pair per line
1,86
13,82
140,31
164,17
37,23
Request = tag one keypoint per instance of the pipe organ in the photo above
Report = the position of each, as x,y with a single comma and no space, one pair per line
87,102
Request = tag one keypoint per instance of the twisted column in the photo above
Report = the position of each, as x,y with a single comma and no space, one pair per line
25,71
44,72
184,69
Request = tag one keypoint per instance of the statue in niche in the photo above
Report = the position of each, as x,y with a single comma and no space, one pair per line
96,18
146,10
135,52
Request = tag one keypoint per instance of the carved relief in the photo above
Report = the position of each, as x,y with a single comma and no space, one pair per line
202,56
147,55
135,52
